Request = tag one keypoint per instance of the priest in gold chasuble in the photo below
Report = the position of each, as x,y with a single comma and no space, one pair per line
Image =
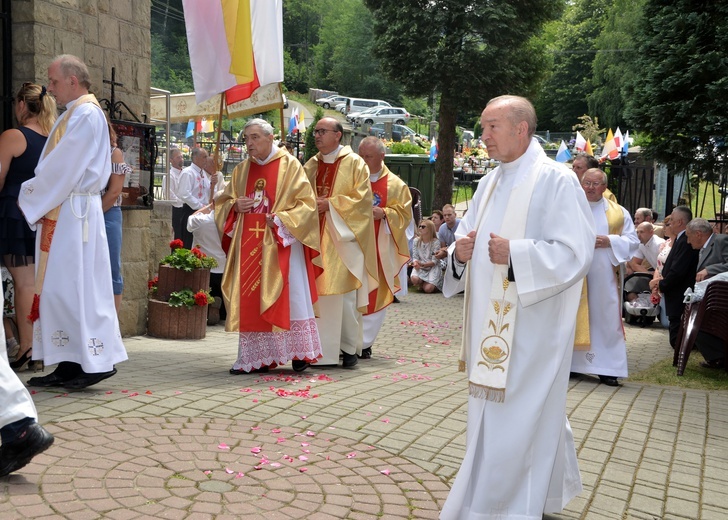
392,212
269,283
344,200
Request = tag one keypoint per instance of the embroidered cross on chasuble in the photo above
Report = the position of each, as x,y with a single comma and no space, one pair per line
379,198
251,251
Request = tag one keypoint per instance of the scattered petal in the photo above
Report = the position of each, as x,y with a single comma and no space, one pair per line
350,455
302,457
276,430
385,420
207,472
303,470
255,400
257,449
109,392
275,464
223,446
255,427
281,439
384,472
305,444
310,433
229,471
148,392
240,475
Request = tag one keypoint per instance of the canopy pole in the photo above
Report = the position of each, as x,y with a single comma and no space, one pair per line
218,164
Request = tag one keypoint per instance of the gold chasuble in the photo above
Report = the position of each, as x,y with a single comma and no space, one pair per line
346,185
255,281
615,221
391,194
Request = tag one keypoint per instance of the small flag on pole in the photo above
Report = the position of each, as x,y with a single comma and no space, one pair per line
292,124
625,146
190,128
563,154
610,147
580,143
433,150
301,123
588,148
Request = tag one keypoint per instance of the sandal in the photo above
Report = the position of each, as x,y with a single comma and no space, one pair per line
22,361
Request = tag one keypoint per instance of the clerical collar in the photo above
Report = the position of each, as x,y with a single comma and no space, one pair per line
512,166
374,177
273,151
330,158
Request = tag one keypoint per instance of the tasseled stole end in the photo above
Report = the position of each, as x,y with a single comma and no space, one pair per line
461,366
35,309
497,395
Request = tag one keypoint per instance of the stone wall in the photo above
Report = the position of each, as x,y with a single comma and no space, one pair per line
104,34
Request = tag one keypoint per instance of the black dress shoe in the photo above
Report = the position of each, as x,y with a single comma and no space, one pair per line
574,375
240,371
300,366
366,353
18,453
86,380
350,360
65,371
609,380
716,363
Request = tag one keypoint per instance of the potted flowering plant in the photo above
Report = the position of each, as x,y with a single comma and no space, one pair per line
180,294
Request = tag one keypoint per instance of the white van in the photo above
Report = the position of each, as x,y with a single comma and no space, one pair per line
359,104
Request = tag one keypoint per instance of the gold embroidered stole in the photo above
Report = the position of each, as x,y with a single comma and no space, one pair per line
489,371
615,223
48,222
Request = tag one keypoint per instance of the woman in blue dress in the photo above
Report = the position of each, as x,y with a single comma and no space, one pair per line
20,149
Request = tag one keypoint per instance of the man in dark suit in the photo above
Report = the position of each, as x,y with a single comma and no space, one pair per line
713,249
678,273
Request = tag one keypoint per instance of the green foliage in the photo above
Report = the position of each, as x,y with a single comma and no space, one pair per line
589,128
468,52
171,64
188,298
187,259
311,149
679,95
405,147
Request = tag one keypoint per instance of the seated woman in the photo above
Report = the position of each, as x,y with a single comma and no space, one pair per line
437,219
426,271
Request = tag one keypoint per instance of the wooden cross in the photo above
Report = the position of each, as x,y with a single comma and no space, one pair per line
256,229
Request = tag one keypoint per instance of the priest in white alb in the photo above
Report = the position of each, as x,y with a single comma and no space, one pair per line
600,347
75,321
521,253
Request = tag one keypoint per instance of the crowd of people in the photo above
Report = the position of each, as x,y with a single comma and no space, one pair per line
312,255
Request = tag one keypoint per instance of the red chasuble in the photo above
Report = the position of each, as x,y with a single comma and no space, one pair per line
251,251
325,177
379,198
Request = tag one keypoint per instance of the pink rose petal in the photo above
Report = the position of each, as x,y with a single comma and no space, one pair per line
223,446
303,470
275,464
350,455
310,433
384,472
240,475
207,472
276,430
255,427
305,444
257,449
281,439
229,471
302,457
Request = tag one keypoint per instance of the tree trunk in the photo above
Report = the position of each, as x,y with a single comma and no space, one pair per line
446,142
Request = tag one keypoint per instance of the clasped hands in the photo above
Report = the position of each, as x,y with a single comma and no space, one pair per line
245,204
499,248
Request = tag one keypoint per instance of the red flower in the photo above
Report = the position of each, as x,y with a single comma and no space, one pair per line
201,299
176,244
153,282
197,252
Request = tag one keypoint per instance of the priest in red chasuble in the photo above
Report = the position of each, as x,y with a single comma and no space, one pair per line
392,213
269,283
344,201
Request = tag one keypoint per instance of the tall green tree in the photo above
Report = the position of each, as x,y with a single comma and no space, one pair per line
467,50
564,94
678,96
613,66
344,59
302,21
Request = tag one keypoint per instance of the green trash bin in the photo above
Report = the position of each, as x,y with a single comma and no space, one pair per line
416,171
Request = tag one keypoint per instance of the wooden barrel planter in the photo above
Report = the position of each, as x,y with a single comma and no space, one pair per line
164,321
171,279
176,322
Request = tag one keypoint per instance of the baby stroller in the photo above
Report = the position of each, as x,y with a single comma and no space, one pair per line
640,309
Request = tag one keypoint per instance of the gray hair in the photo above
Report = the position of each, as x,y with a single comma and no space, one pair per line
645,212
262,123
376,143
196,151
685,213
521,110
71,65
700,225
597,170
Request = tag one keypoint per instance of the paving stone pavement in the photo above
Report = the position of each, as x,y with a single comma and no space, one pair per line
173,435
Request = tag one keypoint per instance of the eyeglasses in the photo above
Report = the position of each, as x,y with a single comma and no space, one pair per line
322,131
591,184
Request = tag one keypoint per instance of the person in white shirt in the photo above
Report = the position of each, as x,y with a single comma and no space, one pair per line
648,249
177,162
193,190
206,238
215,178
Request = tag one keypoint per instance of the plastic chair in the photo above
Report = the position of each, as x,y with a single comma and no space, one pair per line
709,315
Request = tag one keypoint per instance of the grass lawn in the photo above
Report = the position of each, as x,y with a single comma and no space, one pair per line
461,194
708,200
694,377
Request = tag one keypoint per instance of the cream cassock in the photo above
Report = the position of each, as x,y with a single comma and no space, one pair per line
78,320
520,459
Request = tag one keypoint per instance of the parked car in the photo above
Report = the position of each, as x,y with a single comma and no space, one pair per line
399,132
359,104
383,115
353,115
331,101
340,107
